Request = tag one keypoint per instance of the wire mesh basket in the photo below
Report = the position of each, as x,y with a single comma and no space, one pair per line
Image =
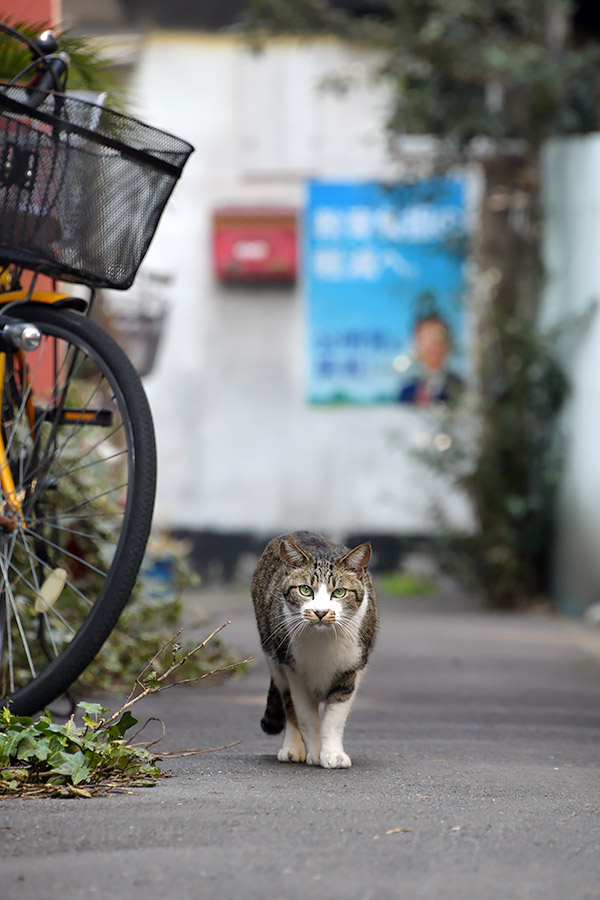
82,187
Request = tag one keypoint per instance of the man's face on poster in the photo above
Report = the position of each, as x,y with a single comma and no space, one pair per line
432,343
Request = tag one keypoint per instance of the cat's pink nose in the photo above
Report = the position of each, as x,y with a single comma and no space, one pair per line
321,613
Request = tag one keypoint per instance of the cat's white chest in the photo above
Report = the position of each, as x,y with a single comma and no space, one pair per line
321,655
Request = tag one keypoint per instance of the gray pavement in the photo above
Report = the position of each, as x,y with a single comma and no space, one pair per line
476,774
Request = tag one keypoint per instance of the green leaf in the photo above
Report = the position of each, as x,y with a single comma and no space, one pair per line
42,750
124,724
67,733
56,779
93,709
44,722
14,772
9,719
12,744
56,757
73,765
27,747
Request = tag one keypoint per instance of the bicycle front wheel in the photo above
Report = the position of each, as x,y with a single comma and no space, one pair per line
78,466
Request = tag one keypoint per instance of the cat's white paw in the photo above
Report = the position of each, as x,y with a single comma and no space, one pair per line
313,759
334,759
295,754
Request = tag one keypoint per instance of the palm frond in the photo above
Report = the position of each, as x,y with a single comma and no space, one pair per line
91,69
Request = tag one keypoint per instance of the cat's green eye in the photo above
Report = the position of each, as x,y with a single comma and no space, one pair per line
338,593
305,590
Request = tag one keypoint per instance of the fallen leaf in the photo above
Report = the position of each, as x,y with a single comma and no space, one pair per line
79,792
399,830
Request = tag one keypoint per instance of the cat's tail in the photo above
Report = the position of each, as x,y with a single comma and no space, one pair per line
274,718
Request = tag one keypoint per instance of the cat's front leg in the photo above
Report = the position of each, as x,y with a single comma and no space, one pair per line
293,749
337,709
306,708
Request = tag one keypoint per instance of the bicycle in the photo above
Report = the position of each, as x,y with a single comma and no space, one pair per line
82,189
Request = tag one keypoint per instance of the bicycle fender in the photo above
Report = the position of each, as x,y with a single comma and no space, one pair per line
60,301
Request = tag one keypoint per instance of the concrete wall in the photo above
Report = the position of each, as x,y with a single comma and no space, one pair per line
239,448
572,259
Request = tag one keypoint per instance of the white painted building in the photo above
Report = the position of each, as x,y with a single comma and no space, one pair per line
240,450
239,447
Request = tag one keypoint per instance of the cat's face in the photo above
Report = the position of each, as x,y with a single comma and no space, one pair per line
323,592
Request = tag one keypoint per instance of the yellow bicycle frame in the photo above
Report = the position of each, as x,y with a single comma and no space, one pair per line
10,510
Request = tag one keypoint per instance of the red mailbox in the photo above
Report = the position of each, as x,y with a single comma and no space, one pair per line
255,244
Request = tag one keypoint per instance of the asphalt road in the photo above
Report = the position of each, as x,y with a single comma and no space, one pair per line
476,774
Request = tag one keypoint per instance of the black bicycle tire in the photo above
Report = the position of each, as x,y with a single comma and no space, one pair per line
57,677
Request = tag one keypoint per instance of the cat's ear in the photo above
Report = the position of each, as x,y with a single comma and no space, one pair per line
357,560
292,555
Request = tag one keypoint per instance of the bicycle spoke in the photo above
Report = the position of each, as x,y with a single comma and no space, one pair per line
82,562
12,605
49,631
117,514
64,554
89,452
77,469
53,609
36,590
91,500
73,532
26,395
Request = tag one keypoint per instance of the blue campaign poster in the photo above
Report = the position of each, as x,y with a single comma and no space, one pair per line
385,280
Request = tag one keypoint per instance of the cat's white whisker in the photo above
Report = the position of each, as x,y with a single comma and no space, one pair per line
297,626
276,631
345,627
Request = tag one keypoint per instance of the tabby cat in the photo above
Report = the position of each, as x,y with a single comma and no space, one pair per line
317,619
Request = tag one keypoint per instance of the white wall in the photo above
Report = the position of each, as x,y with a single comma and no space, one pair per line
239,448
572,260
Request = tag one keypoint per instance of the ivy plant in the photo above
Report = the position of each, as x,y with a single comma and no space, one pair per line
44,757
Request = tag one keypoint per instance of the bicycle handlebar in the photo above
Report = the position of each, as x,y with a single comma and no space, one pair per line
46,43
53,78
54,65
